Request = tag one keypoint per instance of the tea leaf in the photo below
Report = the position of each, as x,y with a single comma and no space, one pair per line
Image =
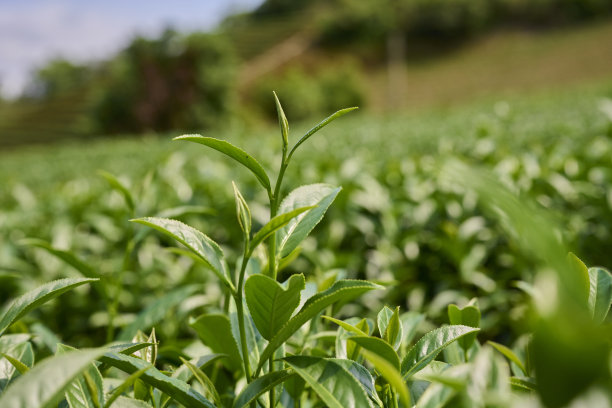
430,345
43,386
274,224
336,387
467,316
215,332
125,402
86,391
318,127
204,381
391,374
66,256
177,389
261,385
600,293
197,242
509,354
242,212
116,184
271,305
234,152
282,121
379,347
343,290
321,197
36,297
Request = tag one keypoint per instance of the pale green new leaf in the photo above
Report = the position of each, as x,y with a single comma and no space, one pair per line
242,211
600,293
271,305
526,384
467,316
36,297
201,245
156,311
19,366
44,385
343,290
346,326
430,345
235,153
391,374
273,225
261,385
282,121
215,332
125,402
174,387
321,197
336,387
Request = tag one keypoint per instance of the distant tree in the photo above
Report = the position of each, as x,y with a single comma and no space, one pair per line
58,77
273,7
174,82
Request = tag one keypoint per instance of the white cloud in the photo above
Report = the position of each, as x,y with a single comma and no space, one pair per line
32,32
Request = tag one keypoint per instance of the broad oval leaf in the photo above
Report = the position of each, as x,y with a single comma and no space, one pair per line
234,152
215,332
261,385
319,195
37,297
273,225
197,242
343,290
155,312
430,345
271,305
379,347
600,293
336,387
176,388
43,386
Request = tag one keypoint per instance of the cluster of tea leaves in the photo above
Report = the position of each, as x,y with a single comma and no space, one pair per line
401,221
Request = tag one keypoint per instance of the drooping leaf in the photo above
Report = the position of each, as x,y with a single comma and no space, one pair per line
600,293
261,385
37,297
391,374
43,386
343,290
174,387
117,185
318,127
379,347
274,224
509,354
336,387
271,305
156,311
197,242
234,152
215,332
430,345
321,197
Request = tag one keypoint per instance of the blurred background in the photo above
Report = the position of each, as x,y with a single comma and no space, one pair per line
78,70
522,88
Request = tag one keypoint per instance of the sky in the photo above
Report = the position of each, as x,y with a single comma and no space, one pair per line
34,31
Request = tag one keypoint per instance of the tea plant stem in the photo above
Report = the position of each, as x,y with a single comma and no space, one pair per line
272,393
240,309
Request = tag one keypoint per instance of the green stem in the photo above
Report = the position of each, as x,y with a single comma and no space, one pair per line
240,310
272,392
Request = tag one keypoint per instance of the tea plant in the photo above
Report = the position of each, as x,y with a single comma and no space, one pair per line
273,340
